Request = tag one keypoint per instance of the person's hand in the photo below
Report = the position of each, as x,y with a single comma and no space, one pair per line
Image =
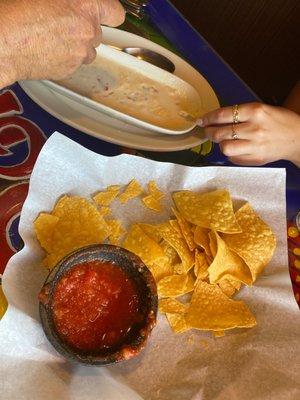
51,39
264,133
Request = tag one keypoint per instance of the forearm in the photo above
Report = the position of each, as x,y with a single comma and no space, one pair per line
8,73
5,79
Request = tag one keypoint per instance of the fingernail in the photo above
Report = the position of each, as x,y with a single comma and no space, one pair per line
200,122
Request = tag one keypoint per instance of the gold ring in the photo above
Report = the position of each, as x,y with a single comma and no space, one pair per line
235,114
234,134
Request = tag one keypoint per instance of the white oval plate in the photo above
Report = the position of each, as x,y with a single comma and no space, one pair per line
142,70
109,129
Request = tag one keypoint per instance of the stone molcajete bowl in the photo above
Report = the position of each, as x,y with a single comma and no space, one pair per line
136,270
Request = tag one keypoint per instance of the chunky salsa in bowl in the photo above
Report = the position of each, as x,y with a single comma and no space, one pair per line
99,305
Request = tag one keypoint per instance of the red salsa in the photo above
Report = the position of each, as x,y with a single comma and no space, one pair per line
95,305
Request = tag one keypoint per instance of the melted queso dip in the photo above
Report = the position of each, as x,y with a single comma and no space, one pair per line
132,93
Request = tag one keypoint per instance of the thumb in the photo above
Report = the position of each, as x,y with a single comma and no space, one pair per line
111,12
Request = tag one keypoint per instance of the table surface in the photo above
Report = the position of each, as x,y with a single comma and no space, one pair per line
24,127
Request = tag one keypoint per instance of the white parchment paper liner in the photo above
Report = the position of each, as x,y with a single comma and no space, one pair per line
260,363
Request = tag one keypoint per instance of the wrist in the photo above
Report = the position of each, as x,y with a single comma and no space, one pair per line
295,159
295,144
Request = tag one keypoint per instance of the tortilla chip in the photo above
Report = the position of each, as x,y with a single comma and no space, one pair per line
160,269
152,203
79,224
190,283
132,191
226,287
104,211
142,245
185,228
154,191
151,231
175,240
226,262
213,245
212,210
211,309
172,306
107,196
175,226
172,286
170,253
177,322
44,227
201,238
179,268
229,285
255,244
201,265
218,334
116,231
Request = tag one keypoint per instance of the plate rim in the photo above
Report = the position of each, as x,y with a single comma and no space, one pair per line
177,142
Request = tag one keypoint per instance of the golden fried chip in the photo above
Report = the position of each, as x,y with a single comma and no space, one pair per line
201,265
104,211
151,231
226,287
79,224
170,253
107,196
196,269
229,285
255,244
200,257
172,286
142,245
154,191
211,210
44,227
132,190
179,268
218,334
190,283
209,259
152,203
234,282
177,322
175,240
211,309
59,207
201,238
213,245
113,188
160,269
175,226
116,231
226,262
172,306
185,228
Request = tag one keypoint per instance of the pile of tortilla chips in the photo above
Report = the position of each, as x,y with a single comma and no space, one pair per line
199,258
